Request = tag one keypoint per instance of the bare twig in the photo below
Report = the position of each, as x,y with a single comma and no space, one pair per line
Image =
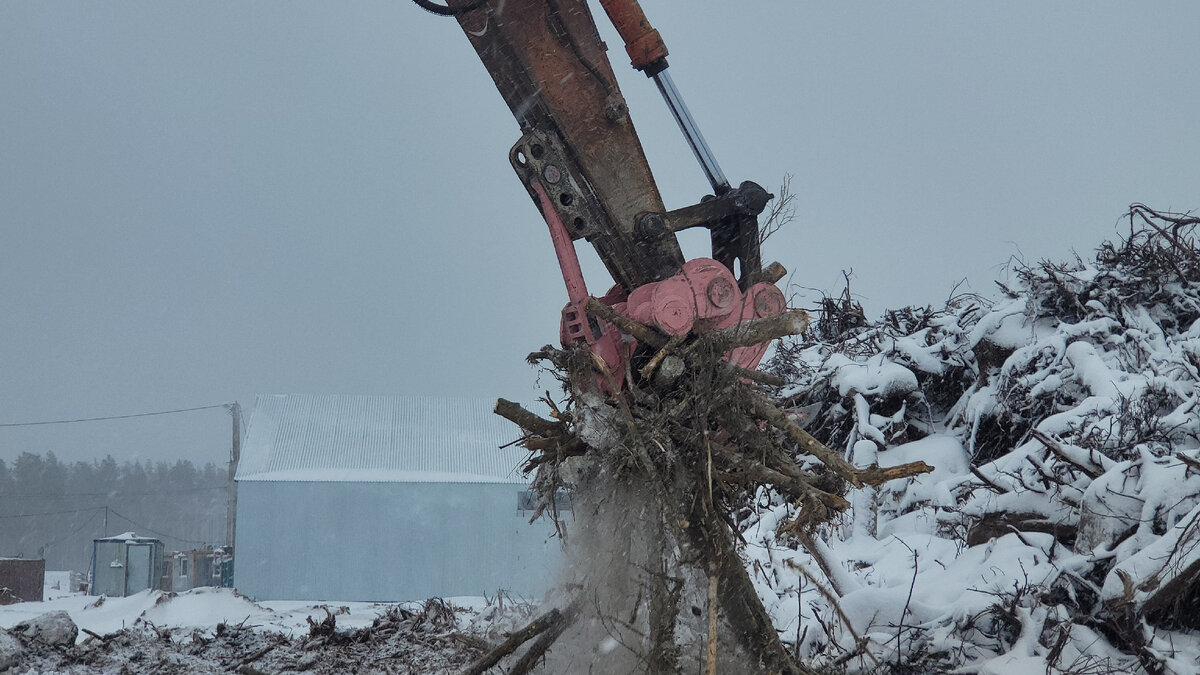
711,652
782,212
859,641
907,601
986,481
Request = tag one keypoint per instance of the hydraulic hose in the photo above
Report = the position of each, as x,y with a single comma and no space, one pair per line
446,10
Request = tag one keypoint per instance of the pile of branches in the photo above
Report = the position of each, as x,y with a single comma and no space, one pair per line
402,640
660,472
1161,247
1075,402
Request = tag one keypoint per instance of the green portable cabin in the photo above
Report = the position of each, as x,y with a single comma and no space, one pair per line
126,564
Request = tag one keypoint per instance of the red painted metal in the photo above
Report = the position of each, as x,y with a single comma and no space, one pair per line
564,248
761,300
668,305
607,342
702,298
713,286
698,299
643,44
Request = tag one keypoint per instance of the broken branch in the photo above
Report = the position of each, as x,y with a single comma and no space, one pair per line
1053,446
755,331
641,332
765,409
516,639
673,343
753,375
521,417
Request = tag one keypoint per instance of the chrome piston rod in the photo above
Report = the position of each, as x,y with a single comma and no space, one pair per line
679,110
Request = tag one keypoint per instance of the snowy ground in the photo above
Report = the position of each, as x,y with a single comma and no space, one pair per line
218,630
201,608
57,585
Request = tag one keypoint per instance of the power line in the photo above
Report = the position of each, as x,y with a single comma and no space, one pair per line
113,417
147,529
114,493
49,513
114,512
73,532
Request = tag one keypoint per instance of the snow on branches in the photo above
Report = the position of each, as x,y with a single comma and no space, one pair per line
1060,531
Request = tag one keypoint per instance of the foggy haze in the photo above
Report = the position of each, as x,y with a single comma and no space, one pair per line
202,202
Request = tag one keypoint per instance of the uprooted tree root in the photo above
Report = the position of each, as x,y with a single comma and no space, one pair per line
660,467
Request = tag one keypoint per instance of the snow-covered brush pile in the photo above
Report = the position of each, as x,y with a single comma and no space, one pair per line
211,630
1060,531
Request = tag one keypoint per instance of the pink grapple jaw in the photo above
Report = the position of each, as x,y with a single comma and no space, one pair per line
702,297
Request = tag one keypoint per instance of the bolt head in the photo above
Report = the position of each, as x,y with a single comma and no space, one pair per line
769,302
720,293
614,111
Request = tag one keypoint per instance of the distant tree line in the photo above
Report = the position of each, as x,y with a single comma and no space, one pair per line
53,510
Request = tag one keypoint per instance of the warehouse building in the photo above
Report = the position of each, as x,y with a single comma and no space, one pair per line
384,499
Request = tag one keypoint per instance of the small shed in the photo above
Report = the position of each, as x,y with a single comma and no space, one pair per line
21,580
385,499
201,567
126,564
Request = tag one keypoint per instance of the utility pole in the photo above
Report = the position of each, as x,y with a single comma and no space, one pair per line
235,453
106,521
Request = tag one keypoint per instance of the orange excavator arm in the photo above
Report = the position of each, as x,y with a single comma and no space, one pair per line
548,62
580,160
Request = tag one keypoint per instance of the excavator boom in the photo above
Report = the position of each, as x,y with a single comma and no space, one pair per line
580,160
549,64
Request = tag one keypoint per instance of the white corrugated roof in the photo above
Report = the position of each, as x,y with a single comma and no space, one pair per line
378,439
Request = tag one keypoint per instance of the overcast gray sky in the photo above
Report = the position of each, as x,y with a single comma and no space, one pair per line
202,201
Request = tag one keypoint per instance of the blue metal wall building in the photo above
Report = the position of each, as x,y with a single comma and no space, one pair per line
385,499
